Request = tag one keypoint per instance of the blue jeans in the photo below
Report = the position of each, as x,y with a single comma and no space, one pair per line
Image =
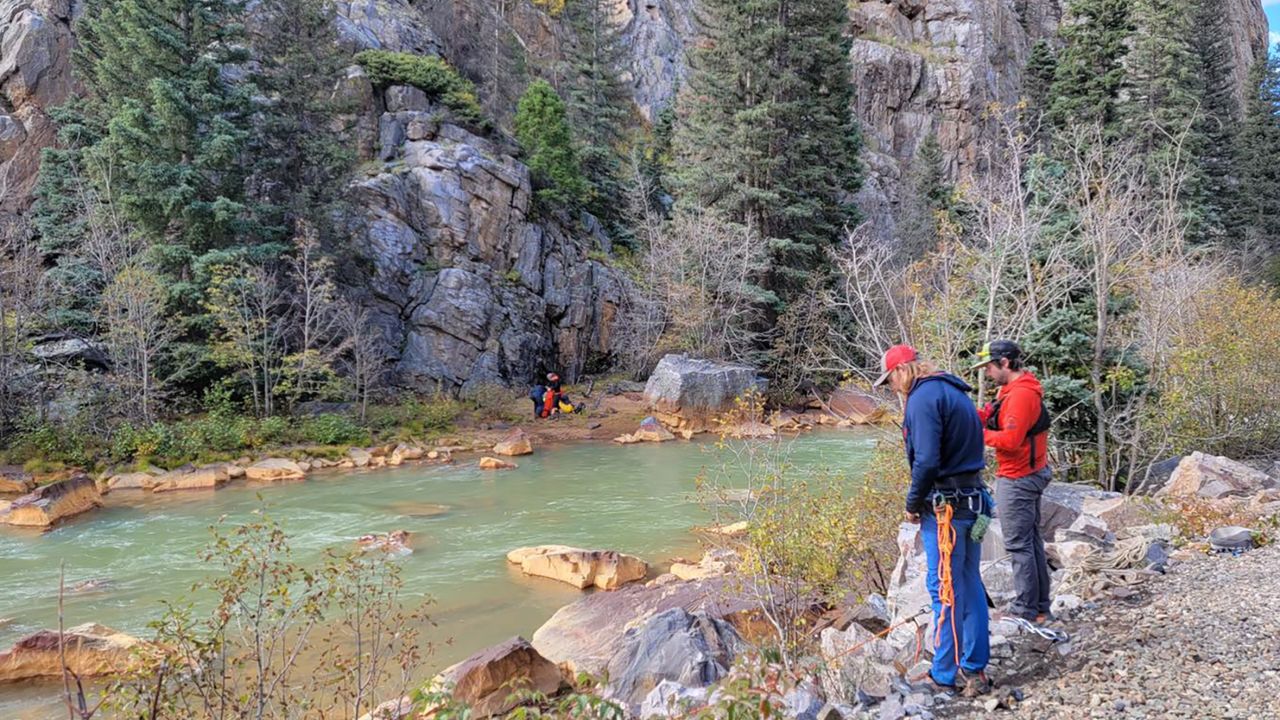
970,606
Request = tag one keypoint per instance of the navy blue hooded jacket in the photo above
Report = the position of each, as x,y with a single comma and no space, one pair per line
943,436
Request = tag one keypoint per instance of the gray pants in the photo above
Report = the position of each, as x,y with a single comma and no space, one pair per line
1018,504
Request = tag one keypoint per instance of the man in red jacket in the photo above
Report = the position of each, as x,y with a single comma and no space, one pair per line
1017,426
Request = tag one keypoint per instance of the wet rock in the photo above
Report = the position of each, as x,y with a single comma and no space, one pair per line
515,443
274,469
650,430
485,681
91,650
491,463
14,479
46,506
605,569
694,650
395,542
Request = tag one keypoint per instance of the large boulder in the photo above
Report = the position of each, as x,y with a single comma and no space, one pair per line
205,478
694,650
515,443
695,391
274,469
14,479
45,506
91,650
605,569
487,680
1213,477
855,406
1062,503
584,636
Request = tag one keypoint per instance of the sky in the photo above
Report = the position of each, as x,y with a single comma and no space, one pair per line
1273,15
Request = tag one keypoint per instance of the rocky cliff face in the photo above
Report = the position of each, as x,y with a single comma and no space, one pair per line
464,285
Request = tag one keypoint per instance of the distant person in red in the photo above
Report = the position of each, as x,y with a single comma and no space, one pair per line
551,398
1017,426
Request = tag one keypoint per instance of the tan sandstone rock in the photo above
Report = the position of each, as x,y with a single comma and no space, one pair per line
359,457
605,569
487,680
45,506
274,469
515,443
492,463
1215,477
132,481
205,478
91,650
14,479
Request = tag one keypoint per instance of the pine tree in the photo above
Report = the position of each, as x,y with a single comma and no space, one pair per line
1090,69
1256,214
543,131
928,197
598,103
1037,84
767,137
301,159
1219,119
176,126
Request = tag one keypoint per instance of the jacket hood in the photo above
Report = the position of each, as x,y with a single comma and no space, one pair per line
1026,382
946,378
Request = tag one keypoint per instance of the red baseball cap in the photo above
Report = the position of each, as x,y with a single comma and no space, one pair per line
893,357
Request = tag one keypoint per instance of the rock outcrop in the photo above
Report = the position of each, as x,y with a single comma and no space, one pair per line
206,478
462,283
604,569
46,506
515,443
15,480
91,650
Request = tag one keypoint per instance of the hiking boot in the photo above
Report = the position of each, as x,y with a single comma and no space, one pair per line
977,684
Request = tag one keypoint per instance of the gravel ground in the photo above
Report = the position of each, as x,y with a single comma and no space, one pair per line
1202,641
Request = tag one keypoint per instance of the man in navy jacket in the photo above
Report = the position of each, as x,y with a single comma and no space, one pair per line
943,438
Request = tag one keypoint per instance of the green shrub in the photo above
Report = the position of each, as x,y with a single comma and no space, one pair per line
429,74
331,429
543,131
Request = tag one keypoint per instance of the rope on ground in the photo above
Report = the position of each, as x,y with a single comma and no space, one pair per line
1100,570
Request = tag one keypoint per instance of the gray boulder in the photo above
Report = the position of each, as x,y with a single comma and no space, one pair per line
1062,503
671,699
694,650
696,388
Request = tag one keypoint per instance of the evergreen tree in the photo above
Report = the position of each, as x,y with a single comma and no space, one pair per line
598,102
1219,117
1256,214
176,128
1160,109
1090,70
543,131
301,150
767,136
1037,80
928,199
